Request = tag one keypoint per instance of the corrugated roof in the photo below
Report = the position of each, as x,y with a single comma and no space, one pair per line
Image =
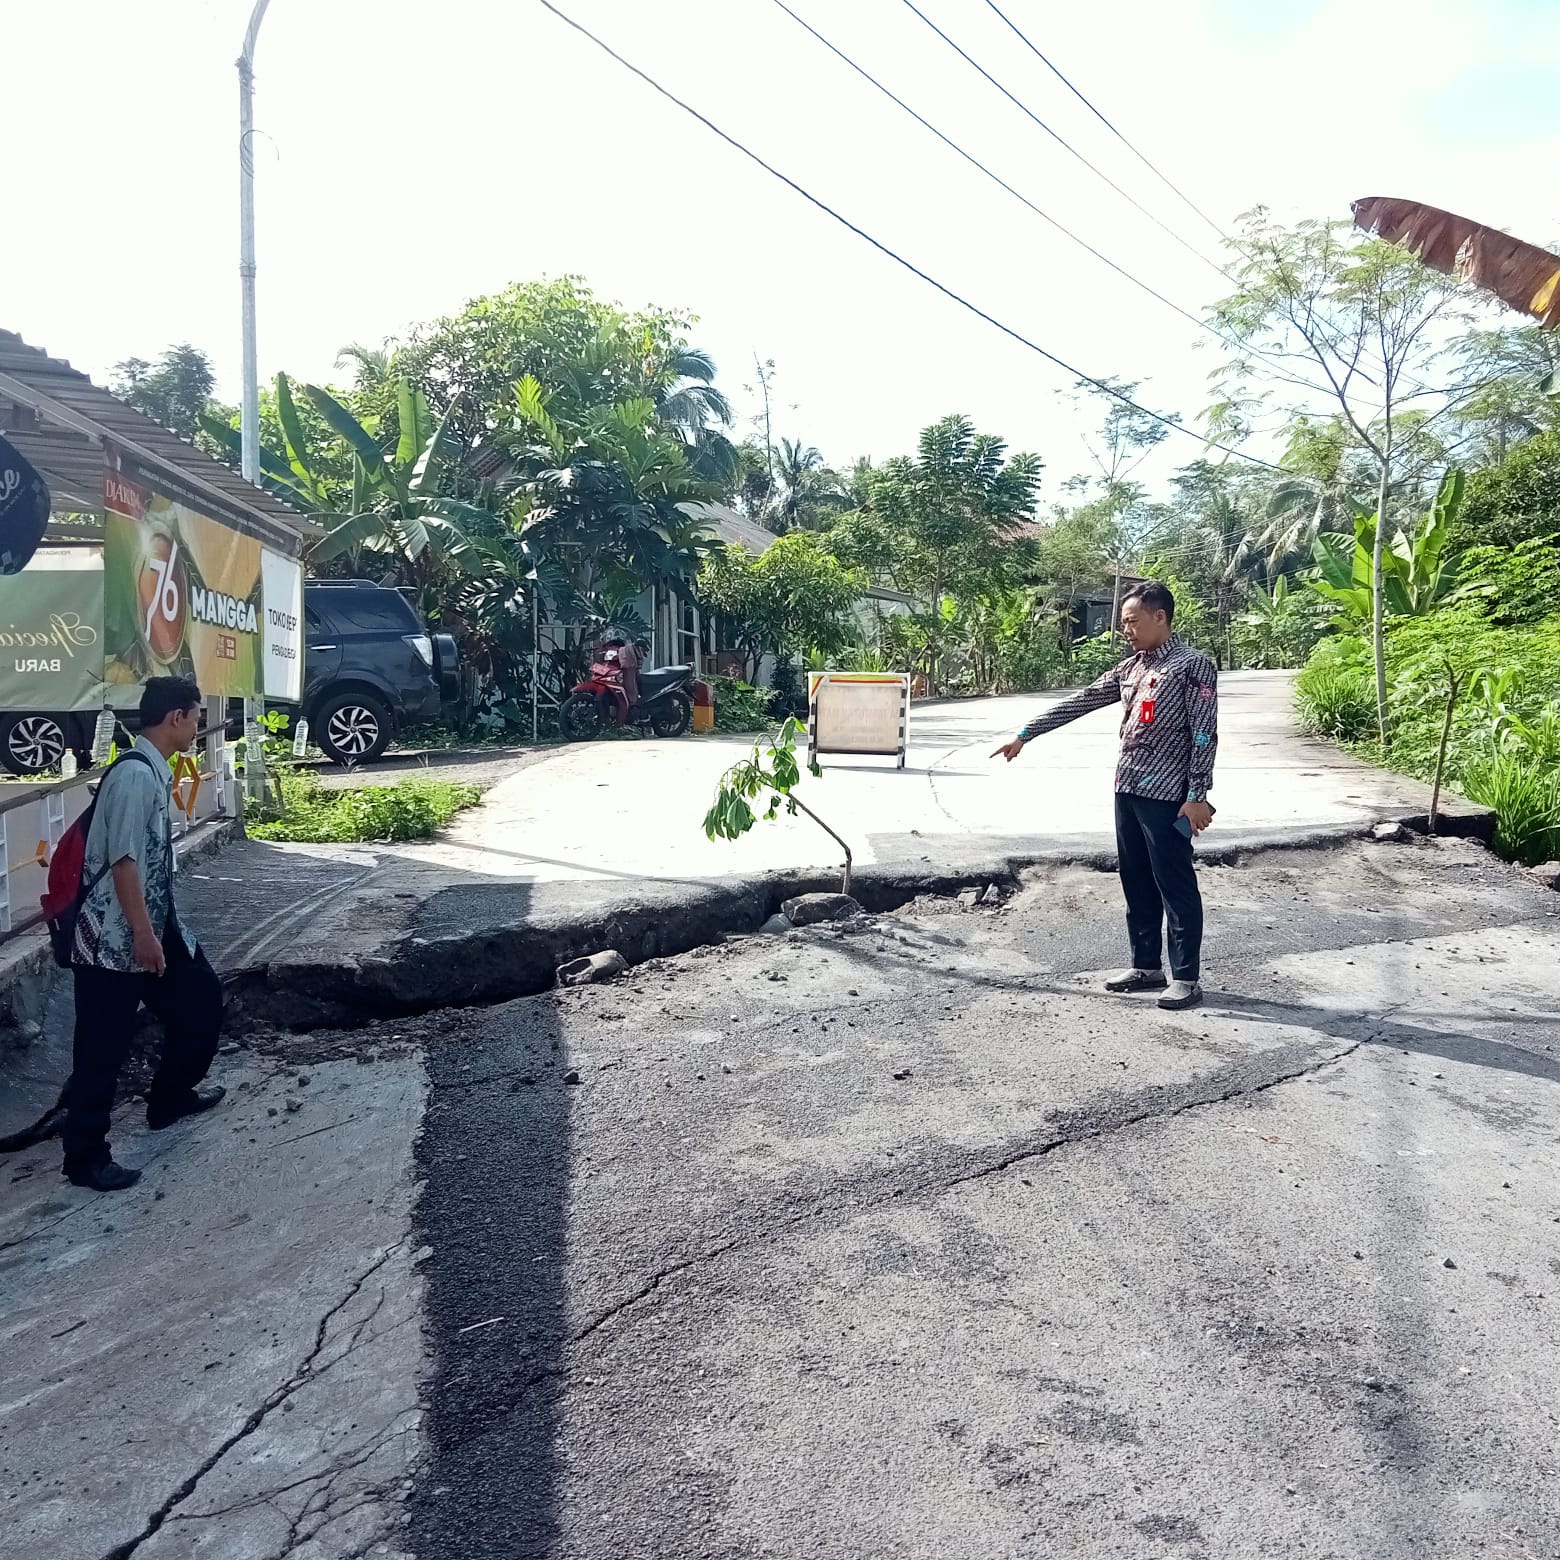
63,424
734,529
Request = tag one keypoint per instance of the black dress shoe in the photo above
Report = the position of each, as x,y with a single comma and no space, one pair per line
104,1177
160,1114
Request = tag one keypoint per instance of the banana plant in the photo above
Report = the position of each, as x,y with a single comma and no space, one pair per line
396,506
1417,572
396,503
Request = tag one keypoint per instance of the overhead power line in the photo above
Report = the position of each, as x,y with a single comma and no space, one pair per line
1045,216
996,178
1056,71
1061,141
1007,330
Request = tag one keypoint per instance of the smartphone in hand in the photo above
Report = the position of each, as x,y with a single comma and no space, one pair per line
1184,824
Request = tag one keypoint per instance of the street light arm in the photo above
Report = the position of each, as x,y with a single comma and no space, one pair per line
247,58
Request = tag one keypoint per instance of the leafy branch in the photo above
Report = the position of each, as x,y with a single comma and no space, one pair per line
732,815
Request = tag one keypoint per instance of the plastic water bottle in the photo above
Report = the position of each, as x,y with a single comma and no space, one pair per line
301,738
68,765
103,736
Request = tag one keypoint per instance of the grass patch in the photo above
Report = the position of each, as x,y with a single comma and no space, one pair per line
311,815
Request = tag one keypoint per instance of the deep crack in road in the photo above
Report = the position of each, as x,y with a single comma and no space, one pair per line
904,1241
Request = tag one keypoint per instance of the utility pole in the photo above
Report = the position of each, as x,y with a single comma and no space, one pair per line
249,420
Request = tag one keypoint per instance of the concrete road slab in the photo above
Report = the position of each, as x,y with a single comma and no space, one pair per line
632,810
223,1361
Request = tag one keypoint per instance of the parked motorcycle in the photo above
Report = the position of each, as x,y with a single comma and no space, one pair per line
600,702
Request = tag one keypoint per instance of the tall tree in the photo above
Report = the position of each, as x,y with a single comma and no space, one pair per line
586,351
1364,328
795,597
1127,435
1516,394
175,389
957,511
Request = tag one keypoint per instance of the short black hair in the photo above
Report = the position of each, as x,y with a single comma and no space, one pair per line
165,696
1154,596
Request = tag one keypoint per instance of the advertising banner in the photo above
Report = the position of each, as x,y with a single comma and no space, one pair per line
181,593
51,632
282,594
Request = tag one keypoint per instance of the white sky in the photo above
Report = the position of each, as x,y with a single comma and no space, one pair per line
418,154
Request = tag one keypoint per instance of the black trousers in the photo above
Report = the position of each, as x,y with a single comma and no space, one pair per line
1160,885
187,997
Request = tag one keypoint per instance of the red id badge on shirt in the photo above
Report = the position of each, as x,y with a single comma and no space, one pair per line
1146,707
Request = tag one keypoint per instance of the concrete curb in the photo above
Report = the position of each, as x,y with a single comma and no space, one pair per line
417,972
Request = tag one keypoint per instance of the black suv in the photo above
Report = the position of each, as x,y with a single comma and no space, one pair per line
371,670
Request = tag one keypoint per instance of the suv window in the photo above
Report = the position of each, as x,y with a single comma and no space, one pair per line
356,611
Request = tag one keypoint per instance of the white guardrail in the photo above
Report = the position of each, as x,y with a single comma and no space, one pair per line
34,816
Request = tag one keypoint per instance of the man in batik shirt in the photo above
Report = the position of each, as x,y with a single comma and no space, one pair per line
1169,734
131,948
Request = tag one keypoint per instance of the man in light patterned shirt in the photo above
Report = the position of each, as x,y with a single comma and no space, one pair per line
1169,698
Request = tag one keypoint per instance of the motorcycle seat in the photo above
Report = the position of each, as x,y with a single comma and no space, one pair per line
662,677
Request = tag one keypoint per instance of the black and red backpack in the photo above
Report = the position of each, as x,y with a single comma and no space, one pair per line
68,885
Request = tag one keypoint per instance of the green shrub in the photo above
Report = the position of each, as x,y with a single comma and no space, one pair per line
1526,656
1504,746
739,706
1335,694
1525,798
1031,662
1093,657
1521,584
312,815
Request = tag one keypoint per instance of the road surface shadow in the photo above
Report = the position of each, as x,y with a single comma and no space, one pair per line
494,1158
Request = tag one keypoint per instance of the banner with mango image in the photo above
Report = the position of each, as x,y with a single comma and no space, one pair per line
181,593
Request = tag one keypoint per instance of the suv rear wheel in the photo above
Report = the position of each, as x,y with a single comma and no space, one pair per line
352,728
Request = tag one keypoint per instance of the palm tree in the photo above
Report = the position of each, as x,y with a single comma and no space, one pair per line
1323,495
601,499
809,492
372,367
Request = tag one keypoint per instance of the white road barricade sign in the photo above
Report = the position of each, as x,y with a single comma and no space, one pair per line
858,712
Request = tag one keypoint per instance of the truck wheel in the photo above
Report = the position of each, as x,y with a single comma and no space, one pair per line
352,728
579,717
32,744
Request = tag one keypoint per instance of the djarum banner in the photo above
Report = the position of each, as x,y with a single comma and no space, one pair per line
181,593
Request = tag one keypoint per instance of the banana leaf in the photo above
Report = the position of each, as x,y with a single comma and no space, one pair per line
1523,276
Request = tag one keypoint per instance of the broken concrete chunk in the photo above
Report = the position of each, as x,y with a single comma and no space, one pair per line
969,897
992,896
775,926
1547,875
809,909
1390,831
596,966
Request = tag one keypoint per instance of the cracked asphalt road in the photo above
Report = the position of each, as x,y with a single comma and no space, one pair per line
907,1242
897,1241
